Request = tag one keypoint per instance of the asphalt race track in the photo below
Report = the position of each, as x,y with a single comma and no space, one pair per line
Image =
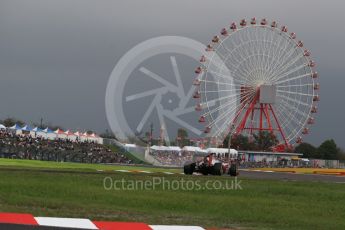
291,176
243,173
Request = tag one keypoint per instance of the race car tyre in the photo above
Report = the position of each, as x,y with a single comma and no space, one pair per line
204,171
189,169
233,171
217,169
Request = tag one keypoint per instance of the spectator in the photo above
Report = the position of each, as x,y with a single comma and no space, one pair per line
37,148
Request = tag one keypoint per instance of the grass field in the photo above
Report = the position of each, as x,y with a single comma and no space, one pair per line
261,204
30,164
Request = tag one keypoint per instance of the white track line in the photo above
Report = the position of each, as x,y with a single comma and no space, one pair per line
65,222
144,171
126,171
166,227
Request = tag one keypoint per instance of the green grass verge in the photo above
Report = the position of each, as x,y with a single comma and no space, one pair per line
261,204
20,164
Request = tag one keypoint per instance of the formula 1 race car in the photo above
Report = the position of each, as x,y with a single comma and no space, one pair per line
210,165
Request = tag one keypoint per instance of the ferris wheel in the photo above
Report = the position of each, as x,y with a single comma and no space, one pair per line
256,76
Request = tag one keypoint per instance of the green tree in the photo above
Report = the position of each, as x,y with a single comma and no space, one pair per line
137,140
182,137
240,142
265,140
341,154
89,132
8,122
308,150
182,133
108,135
328,150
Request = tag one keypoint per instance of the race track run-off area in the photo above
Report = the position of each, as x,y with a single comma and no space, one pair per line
266,200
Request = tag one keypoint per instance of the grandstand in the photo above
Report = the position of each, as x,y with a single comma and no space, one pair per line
23,144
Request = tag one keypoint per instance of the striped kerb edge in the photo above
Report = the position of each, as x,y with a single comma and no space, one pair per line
73,223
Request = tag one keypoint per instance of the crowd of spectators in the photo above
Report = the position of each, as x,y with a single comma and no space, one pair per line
173,158
22,146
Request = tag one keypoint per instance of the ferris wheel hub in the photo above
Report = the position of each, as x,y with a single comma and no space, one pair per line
268,94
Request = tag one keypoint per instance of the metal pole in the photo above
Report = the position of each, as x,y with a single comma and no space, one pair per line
151,133
233,164
229,140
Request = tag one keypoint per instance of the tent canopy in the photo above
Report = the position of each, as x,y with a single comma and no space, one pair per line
26,128
47,130
69,133
221,150
160,148
16,127
59,131
36,129
94,135
174,148
80,134
166,148
193,149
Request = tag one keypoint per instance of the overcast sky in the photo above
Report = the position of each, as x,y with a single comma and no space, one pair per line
56,56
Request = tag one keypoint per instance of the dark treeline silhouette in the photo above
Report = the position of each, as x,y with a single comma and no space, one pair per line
327,150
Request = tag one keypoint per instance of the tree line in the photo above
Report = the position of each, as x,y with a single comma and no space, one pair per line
264,141
327,150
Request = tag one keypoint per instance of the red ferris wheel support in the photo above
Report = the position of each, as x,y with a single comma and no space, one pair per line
259,104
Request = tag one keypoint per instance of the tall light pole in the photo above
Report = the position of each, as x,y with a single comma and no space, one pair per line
151,134
233,171
229,140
